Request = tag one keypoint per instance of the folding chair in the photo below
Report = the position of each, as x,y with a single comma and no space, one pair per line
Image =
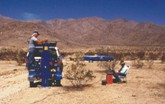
124,73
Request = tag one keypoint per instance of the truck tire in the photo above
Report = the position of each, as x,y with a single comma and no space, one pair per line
32,84
50,82
58,83
90,61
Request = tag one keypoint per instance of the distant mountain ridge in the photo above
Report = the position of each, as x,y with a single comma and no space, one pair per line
84,32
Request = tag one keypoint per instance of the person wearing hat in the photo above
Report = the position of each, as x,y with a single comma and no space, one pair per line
32,42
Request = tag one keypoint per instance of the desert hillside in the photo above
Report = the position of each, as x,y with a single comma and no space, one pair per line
145,82
84,32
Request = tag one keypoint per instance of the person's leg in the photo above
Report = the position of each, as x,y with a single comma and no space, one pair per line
30,58
117,78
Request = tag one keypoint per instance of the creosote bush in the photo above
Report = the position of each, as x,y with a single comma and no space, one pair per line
78,75
138,63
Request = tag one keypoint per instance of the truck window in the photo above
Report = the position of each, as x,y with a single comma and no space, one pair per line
38,53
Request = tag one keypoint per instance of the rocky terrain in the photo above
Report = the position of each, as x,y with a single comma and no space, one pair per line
84,32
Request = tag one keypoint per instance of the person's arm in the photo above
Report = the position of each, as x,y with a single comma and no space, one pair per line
115,72
41,41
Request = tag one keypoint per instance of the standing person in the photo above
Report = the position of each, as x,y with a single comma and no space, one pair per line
32,42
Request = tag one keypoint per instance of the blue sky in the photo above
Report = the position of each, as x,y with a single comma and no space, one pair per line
138,10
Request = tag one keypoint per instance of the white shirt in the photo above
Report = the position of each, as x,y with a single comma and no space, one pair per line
125,69
31,42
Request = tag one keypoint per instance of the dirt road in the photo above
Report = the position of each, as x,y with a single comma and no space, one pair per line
144,86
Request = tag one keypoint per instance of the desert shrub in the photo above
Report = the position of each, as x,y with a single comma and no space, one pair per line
103,65
78,75
78,56
117,55
20,57
15,54
7,53
153,56
64,54
128,53
138,63
163,58
140,55
113,64
90,53
110,65
150,63
100,50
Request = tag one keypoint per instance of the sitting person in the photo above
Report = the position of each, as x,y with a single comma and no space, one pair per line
122,72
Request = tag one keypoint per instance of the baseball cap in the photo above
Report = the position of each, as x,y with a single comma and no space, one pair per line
36,32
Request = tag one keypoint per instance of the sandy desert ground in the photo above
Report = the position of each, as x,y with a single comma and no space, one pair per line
144,86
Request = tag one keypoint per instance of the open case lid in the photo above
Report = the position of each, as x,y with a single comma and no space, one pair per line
50,44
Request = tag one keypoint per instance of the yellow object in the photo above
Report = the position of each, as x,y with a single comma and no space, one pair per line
52,70
46,48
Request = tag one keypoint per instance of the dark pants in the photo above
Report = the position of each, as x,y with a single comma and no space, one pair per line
30,58
117,78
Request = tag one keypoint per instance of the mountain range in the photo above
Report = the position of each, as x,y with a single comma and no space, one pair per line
84,32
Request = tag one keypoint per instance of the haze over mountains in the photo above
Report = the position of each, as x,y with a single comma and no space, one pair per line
84,32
